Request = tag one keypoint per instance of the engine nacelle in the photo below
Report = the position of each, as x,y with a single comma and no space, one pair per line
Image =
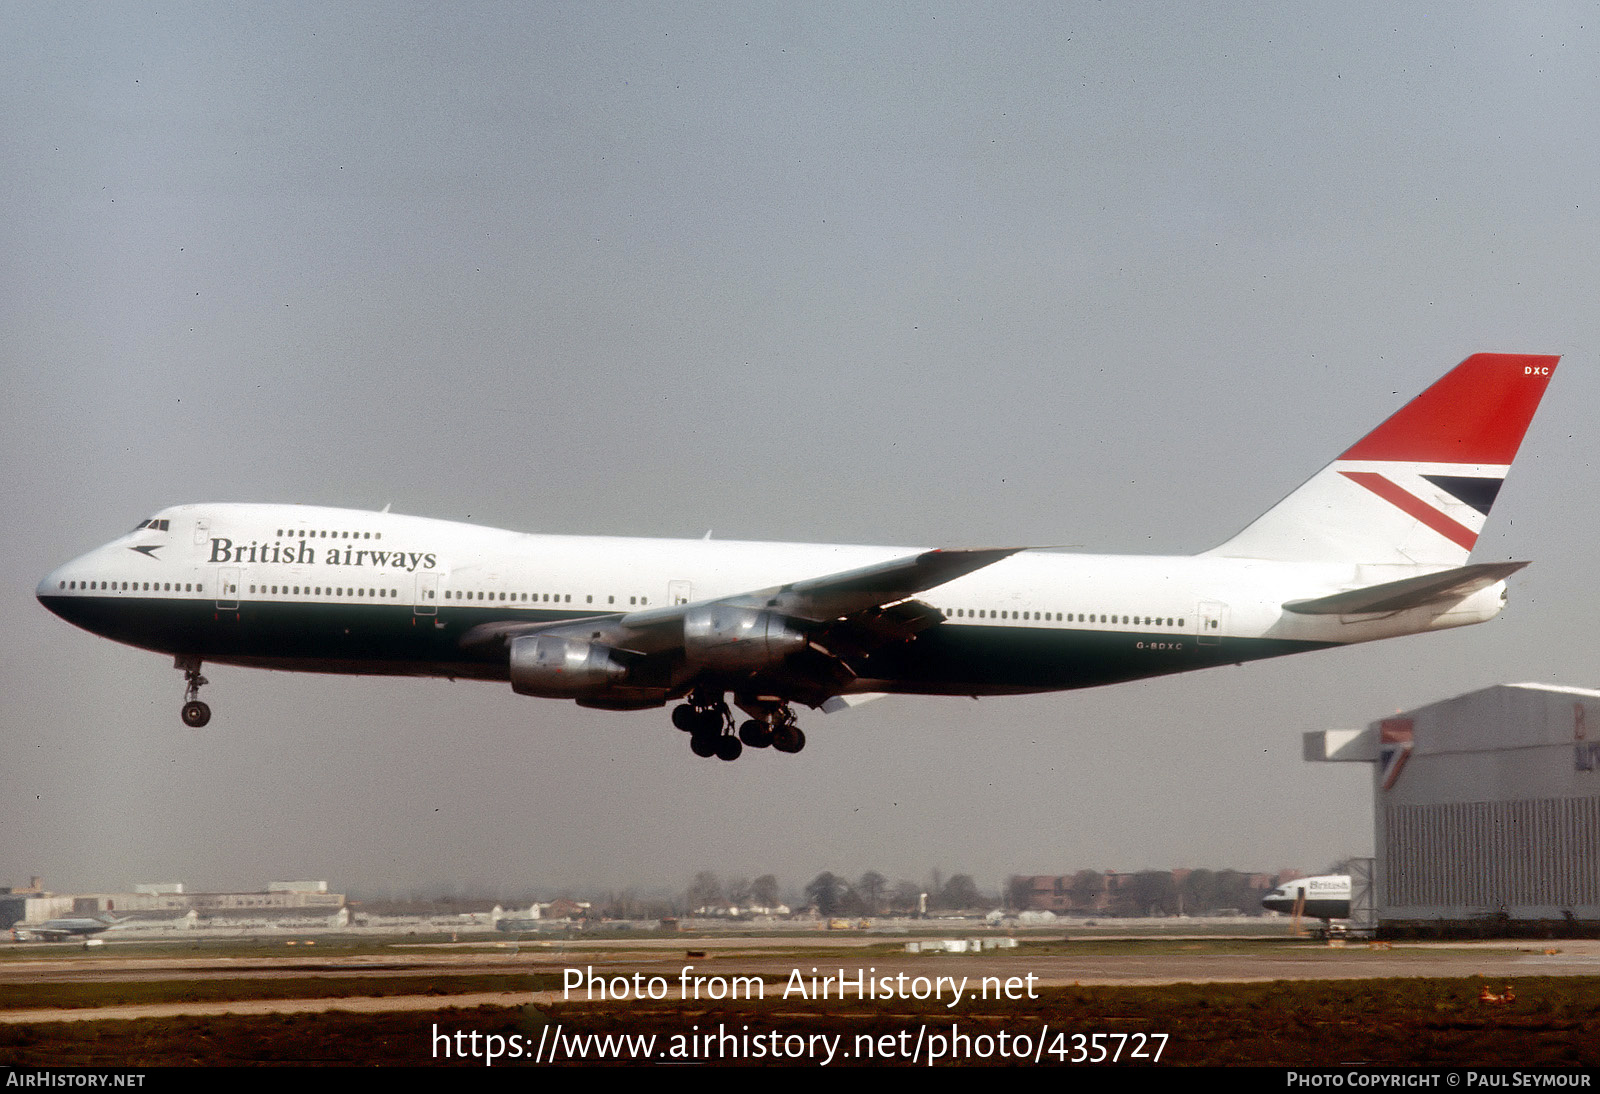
553,666
724,637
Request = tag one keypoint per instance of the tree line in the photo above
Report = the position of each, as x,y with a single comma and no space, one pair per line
1087,892
1148,892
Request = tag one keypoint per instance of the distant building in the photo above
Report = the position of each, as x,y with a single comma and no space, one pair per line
1086,892
566,909
168,900
1486,810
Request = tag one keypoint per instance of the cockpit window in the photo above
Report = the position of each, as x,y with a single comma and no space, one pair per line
153,524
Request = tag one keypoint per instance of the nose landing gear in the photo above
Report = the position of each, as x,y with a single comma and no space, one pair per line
195,713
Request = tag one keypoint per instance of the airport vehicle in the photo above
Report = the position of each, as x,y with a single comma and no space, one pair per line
1325,897
1374,546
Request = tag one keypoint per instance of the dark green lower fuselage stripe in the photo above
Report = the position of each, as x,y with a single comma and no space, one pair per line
390,639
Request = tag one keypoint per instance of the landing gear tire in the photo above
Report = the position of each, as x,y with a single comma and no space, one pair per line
788,738
195,713
705,718
756,734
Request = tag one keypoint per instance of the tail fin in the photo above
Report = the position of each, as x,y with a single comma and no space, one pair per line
1417,489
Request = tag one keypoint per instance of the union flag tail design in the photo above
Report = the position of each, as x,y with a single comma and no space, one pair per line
1418,489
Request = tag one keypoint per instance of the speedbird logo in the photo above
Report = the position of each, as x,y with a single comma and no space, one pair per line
1395,741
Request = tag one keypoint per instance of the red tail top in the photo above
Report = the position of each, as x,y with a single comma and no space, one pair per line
1477,413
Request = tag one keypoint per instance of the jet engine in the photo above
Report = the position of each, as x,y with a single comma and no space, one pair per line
554,666
723,637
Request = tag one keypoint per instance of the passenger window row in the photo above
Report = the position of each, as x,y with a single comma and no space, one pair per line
325,534
1067,617
134,586
533,598
566,598
322,590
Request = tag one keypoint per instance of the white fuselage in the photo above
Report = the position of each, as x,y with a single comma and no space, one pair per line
1324,897
340,590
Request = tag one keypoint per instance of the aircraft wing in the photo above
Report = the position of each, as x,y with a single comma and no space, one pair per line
878,592
1443,587
804,633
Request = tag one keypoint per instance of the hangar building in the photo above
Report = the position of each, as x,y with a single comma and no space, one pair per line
1486,811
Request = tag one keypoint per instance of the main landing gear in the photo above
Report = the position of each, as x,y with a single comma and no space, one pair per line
705,717
195,713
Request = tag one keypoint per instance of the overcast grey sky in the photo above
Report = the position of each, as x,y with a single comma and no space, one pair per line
1111,275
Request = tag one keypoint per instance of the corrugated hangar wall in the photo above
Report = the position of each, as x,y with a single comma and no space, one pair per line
1523,855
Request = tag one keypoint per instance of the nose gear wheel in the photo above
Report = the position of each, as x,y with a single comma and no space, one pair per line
195,713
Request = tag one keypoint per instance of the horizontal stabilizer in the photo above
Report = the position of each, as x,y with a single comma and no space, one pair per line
1410,592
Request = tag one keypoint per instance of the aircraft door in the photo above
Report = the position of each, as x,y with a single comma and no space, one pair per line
680,592
1212,619
228,588
427,602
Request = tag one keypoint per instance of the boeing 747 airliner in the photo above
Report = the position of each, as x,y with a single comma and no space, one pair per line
1374,546
1326,897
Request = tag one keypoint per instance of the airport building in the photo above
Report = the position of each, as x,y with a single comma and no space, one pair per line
168,900
1486,811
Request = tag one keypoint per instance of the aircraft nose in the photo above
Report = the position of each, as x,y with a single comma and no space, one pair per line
52,592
